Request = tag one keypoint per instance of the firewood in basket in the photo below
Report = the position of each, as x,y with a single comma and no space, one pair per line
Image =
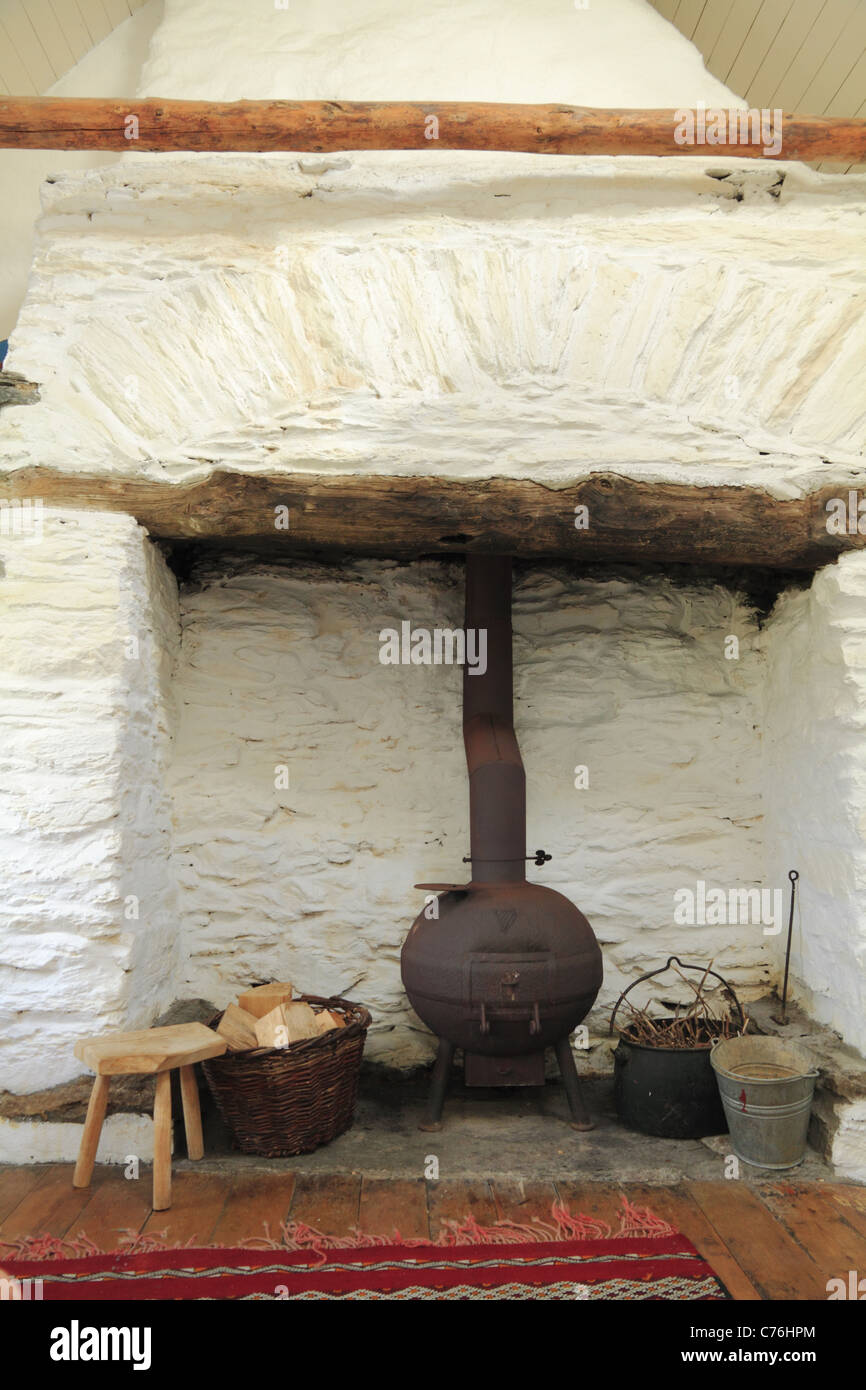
326,1021
263,998
238,1028
285,1024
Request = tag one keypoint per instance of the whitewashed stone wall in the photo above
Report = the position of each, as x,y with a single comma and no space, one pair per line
416,317
458,314
88,936
280,667
815,788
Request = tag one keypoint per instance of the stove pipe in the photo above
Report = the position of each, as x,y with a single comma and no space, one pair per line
497,781
501,968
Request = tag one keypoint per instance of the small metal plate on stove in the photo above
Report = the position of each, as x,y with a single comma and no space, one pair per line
448,887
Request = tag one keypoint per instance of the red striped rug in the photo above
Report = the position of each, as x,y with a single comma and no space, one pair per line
572,1257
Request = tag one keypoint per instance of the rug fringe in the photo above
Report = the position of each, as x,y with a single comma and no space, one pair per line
48,1247
295,1236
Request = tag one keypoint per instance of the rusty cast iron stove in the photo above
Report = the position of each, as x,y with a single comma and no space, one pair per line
508,968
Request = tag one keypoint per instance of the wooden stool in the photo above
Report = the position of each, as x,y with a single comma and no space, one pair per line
159,1051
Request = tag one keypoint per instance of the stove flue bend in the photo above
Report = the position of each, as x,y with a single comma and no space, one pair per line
507,968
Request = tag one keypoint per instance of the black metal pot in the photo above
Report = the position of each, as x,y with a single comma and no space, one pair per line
668,1092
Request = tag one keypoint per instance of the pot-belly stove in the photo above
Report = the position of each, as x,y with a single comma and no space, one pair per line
508,968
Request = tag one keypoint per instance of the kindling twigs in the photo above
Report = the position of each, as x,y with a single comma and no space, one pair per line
693,1025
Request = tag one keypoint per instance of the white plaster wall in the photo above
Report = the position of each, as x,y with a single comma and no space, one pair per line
87,929
279,665
815,788
110,69
613,53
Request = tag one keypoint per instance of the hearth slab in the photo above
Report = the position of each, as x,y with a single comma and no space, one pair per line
519,1135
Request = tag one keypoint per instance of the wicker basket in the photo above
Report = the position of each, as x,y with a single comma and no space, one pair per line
289,1100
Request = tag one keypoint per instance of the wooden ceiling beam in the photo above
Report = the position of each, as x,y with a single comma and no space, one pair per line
626,520
85,123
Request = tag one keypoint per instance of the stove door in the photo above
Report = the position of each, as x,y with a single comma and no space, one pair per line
507,986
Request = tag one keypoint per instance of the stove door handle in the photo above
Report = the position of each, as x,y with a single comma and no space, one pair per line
534,1022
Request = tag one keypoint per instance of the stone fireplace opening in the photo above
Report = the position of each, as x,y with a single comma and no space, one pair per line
312,785
264,790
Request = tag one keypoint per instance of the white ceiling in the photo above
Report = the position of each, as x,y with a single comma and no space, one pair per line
40,40
807,56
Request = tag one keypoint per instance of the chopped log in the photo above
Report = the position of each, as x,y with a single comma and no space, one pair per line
285,1024
327,1021
629,520
94,123
260,1000
238,1028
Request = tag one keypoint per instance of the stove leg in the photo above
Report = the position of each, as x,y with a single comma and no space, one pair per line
438,1086
579,1114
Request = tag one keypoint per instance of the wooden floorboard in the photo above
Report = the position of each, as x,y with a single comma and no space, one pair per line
197,1202
454,1200
52,1206
851,1202
776,1241
117,1210
819,1226
256,1206
16,1184
776,1264
524,1202
330,1204
390,1206
678,1207
600,1201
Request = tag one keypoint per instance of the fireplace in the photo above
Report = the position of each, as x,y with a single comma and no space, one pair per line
281,399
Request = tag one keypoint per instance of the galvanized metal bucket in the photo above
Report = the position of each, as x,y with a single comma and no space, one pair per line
766,1087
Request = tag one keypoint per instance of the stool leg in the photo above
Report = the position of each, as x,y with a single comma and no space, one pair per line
162,1142
92,1130
191,1113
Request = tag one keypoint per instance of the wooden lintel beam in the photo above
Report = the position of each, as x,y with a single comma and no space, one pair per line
626,520
88,123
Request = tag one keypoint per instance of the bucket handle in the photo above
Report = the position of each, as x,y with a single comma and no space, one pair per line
684,965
